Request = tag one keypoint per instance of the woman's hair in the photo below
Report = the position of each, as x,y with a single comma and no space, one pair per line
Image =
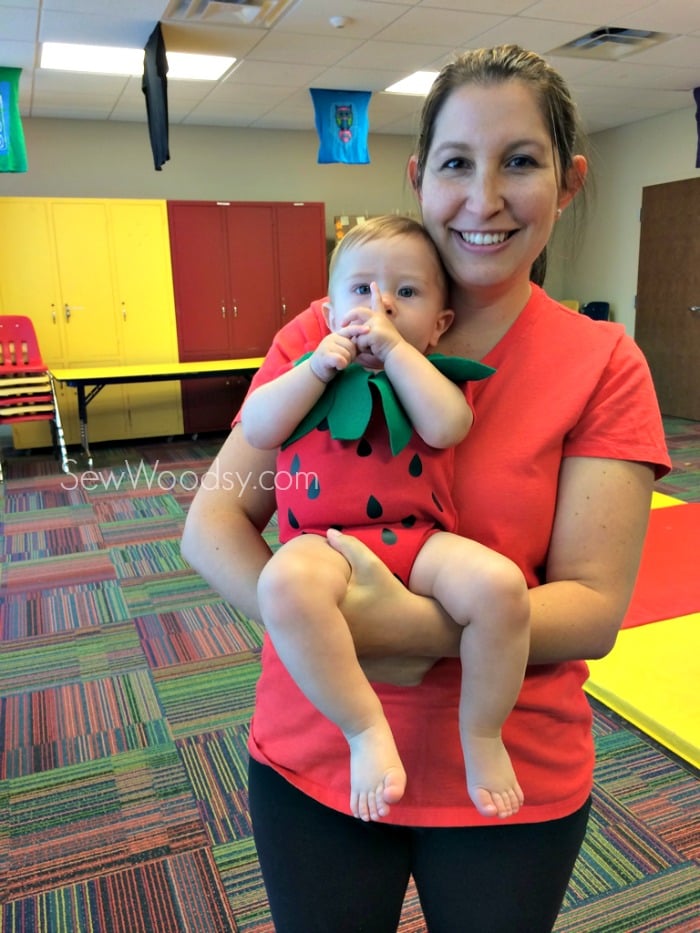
496,66
385,227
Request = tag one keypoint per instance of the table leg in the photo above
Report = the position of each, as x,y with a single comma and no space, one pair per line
83,419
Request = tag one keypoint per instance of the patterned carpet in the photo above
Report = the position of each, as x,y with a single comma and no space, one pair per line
126,686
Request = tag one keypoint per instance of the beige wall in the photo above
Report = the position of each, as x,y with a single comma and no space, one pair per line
103,159
86,158
624,161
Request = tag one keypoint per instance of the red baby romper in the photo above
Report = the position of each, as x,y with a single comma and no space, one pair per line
378,481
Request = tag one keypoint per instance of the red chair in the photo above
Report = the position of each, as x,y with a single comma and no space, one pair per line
27,391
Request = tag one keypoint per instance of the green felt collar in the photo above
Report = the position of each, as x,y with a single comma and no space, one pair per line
348,400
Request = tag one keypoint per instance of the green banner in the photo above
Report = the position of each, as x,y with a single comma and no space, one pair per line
13,151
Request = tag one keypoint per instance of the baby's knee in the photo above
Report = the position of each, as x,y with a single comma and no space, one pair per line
505,585
284,579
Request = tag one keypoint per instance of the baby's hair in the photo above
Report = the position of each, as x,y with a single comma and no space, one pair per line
385,227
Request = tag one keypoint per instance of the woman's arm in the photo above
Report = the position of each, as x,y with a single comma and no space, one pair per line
596,546
601,520
223,539
599,530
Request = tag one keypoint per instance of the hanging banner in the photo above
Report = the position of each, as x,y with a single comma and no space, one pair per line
342,123
155,87
13,151
696,95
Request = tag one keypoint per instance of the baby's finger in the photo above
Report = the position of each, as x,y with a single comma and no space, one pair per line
377,303
354,329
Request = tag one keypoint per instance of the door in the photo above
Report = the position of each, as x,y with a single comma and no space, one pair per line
28,276
254,302
84,263
668,294
146,311
301,244
200,279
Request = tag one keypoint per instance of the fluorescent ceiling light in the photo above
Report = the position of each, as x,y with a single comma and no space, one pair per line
419,83
104,59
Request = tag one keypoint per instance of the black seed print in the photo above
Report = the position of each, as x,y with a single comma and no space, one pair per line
409,521
313,490
437,503
415,467
389,536
374,508
295,465
292,519
364,448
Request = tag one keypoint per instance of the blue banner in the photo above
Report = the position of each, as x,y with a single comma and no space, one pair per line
342,123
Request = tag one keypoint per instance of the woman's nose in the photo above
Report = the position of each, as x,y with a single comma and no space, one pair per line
484,196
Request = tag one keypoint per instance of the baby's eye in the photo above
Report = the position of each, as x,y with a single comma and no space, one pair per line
362,290
407,291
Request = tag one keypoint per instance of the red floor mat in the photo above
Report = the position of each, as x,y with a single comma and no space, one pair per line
668,584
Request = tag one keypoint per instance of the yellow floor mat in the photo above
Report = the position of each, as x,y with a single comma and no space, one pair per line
652,677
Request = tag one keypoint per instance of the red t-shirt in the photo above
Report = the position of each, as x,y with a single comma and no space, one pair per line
564,386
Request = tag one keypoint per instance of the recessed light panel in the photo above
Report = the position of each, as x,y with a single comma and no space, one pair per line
109,60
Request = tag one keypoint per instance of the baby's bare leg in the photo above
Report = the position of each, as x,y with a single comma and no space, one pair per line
486,593
299,592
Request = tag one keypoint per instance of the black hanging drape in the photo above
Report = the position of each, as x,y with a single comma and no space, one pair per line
155,87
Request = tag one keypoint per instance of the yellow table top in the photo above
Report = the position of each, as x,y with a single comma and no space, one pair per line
137,371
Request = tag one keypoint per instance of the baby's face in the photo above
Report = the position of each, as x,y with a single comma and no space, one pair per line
410,281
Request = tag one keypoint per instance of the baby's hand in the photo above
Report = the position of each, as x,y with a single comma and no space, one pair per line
333,354
381,336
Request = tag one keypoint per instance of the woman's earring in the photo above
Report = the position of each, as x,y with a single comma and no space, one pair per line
558,213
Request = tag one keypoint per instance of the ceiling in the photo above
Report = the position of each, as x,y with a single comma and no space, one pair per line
279,59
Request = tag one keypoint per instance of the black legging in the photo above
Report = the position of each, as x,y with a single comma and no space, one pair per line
326,872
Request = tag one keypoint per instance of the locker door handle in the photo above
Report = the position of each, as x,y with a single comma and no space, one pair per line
223,310
694,308
284,309
69,310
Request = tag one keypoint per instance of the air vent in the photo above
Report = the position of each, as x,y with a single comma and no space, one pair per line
260,13
611,42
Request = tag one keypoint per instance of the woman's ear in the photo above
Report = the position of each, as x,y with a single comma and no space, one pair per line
575,178
412,173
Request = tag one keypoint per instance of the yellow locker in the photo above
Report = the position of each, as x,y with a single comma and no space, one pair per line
146,311
95,277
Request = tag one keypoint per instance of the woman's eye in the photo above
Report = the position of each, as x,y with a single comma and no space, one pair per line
457,163
521,161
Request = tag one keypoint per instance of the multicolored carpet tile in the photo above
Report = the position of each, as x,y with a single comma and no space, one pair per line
126,687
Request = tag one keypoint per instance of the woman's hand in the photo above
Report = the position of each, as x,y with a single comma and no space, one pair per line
391,626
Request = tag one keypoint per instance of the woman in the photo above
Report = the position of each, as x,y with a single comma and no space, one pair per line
556,474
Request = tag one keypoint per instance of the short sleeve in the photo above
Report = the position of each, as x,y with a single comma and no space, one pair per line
621,419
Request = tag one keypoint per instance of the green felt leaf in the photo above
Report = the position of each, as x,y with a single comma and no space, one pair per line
352,410
348,400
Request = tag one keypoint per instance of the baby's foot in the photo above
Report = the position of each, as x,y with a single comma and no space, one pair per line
377,777
491,781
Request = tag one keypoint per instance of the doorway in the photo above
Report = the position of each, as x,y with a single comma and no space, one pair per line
668,294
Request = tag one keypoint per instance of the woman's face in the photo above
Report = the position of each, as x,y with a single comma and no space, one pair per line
490,194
